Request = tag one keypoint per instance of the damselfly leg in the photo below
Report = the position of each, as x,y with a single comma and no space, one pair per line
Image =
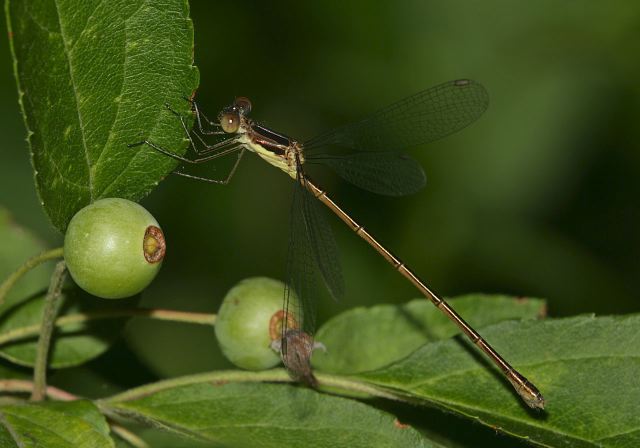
205,153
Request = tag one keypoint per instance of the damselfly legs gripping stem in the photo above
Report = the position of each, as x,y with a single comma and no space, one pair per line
373,161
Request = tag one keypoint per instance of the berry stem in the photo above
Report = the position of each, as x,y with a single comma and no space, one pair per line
22,386
159,314
26,267
341,385
126,435
51,307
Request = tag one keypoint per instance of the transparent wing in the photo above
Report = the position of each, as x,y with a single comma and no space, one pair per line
312,250
301,269
421,118
386,173
299,315
323,244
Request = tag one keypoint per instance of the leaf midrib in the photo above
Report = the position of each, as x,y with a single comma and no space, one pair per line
621,433
469,408
152,129
67,56
10,429
119,105
435,379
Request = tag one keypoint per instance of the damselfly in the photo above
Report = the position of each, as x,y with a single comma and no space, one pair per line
373,162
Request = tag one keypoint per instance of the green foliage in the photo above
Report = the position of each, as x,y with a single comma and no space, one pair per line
268,415
73,344
94,76
18,245
76,424
586,367
21,315
401,329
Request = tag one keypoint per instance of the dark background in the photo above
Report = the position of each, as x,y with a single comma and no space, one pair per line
538,198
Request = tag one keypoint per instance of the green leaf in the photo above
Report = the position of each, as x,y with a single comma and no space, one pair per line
267,415
163,439
17,246
76,424
398,330
586,367
93,76
72,344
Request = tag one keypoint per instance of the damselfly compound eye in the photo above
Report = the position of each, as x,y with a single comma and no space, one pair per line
230,122
243,104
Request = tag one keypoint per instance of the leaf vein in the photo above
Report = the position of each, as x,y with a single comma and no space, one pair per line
67,54
86,25
40,25
155,124
54,164
617,434
14,434
118,108
436,378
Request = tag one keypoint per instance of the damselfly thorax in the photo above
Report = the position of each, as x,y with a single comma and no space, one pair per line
278,149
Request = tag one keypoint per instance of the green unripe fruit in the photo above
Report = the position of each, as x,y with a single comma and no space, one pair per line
249,320
113,248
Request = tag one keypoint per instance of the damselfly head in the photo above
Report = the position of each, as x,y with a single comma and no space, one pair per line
231,116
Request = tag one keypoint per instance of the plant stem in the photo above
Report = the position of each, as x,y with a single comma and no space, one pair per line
52,304
26,267
350,385
127,436
28,386
159,314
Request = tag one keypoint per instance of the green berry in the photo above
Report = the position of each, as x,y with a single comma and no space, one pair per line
249,320
113,248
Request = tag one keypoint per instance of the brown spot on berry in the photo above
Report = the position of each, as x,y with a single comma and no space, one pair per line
276,322
400,425
153,245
